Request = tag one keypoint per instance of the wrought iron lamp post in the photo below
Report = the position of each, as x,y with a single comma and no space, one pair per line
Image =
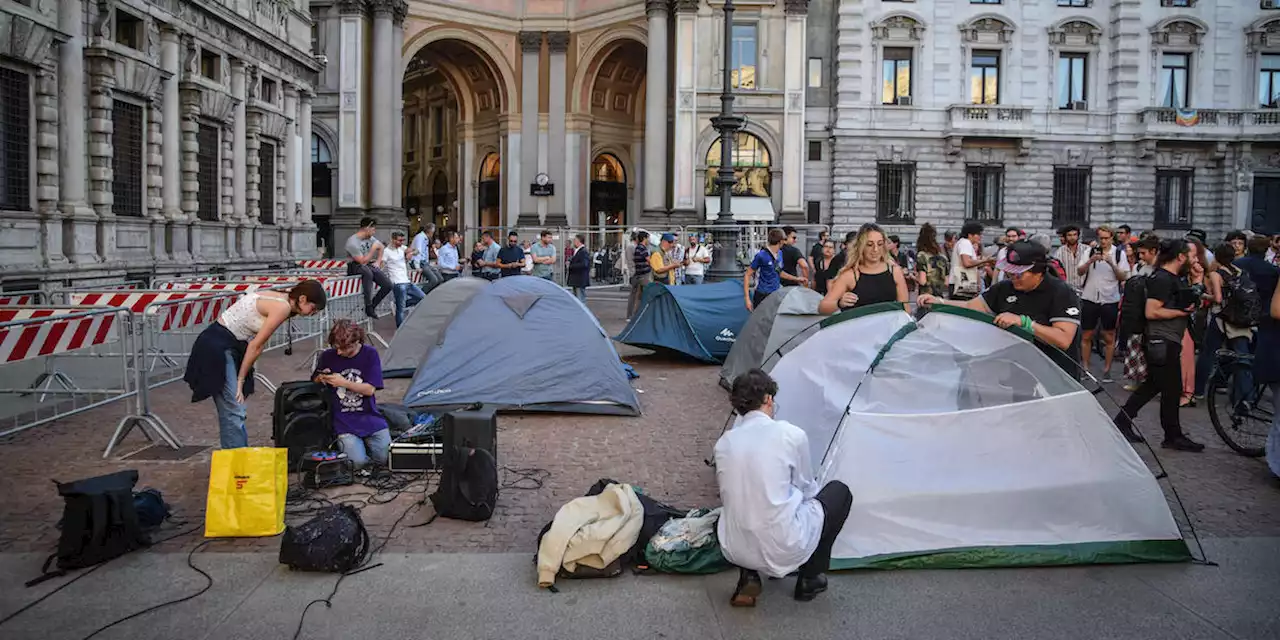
724,262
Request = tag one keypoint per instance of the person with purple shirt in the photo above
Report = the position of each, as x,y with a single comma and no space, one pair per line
353,372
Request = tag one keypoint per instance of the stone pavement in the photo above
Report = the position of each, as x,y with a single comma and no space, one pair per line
482,596
662,451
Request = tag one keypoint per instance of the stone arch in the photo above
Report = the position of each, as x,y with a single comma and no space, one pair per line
768,136
482,154
1179,30
595,54
624,158
1264,33
328,136
899,25
485,48
1076,31
988,28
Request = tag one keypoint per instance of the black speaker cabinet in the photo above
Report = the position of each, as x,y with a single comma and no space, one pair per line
301,421
472,427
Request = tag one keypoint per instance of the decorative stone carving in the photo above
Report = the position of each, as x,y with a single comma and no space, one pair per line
291,63
25,39
987,31
191,55
102,24
686,6
351,7
252,81
1177,33
558,41
1076,33
530,41
898,28
686,100
796,7
1265,36
656,7
1146,149
153,39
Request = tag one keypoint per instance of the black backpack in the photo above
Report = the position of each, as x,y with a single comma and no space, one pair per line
99,522
335,540
1241,304
1133,306
468,485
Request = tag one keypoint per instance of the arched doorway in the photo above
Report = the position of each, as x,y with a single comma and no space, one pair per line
489,190
608,191
322,192
454,96
751,167
614,95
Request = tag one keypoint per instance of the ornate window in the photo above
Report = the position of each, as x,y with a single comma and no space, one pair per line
1264,47
267,183
1175,79
607,168
1074,43
1174,43
986,43
898,39
1173,198
984,193
15,140
750,166
207,182
126,159
984,77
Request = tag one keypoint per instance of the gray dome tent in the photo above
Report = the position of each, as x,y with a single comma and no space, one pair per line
424,325
520,343
774,325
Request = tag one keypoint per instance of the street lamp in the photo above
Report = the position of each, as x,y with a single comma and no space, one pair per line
724,234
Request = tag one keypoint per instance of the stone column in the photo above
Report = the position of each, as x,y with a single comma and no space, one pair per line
290,142
655,111
383,112
793,140
190,165
101,174
557,159
80,227
398,14
684,160
304,130
178,232
352,193
530,51
240,170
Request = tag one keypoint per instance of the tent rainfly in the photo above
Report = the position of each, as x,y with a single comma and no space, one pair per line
508,345
966,446
772,330
701,321
424,325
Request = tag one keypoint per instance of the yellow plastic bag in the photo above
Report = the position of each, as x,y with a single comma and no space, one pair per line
247,492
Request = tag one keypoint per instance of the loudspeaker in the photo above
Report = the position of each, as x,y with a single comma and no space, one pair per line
474,427
301,421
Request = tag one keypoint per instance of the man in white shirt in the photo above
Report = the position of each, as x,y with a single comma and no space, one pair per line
1104,267
967,263
775,519
395,263
699,257
447,256
1072,253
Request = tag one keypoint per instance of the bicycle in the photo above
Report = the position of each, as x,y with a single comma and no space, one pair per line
1242,423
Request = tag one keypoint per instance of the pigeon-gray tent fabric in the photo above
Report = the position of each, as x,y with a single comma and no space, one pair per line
424,325
523,343
780,317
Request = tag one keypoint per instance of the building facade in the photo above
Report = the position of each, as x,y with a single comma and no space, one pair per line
151,137
454,111
1160,114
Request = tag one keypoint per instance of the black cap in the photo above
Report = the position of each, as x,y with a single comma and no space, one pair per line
1021,256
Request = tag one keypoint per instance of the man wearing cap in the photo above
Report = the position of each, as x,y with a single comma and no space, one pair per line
1046,307
664,268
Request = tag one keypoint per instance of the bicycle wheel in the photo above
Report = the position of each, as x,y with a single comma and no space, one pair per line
1244,432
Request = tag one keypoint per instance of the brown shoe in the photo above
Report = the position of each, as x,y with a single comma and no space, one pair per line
749,588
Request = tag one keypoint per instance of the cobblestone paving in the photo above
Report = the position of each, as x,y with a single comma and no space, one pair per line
662,452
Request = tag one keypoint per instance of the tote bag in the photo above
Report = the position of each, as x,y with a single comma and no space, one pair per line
247,492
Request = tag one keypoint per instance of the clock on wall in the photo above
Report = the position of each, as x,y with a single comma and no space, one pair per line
542,186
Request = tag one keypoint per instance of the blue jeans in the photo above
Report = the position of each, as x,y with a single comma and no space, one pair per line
406,295
360,451
689,278
231,414
580,293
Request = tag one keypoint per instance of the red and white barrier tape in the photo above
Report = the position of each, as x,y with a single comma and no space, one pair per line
53,336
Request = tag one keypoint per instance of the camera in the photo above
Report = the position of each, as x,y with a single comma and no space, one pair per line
1096,251
1185,297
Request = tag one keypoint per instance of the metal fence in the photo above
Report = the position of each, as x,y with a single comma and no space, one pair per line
753,236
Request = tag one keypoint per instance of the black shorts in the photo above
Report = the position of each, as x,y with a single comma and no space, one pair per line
1092,314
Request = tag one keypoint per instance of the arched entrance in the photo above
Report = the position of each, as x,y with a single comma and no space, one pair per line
613,93
322,192
608,191
489,192
454,96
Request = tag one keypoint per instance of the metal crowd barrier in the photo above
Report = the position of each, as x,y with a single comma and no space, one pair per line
751,236
42,337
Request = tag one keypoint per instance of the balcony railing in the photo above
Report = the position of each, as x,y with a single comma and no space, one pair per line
989,119
1209,122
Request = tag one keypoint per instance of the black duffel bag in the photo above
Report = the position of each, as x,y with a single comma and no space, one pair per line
335,540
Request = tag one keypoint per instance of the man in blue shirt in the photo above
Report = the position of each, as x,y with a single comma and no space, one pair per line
447,256
765,266
511,257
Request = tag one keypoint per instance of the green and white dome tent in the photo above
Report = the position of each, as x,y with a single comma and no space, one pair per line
965,446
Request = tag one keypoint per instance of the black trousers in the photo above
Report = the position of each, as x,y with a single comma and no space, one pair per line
1165,380
370,275
835,499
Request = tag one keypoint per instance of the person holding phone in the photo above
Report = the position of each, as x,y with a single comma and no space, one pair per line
1169,306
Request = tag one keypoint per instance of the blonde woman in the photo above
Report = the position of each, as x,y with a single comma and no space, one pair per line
868,277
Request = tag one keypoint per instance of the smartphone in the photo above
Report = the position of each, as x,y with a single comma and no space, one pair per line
1096,251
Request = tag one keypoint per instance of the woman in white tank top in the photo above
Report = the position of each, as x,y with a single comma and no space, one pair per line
222,358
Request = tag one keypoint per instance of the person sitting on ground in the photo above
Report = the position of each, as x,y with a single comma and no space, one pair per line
1045,307
775,519
869,277
353,372
222,357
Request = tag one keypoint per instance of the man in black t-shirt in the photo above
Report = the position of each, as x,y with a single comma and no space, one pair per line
795,271
815,254
1168,309
1046,307
511,256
